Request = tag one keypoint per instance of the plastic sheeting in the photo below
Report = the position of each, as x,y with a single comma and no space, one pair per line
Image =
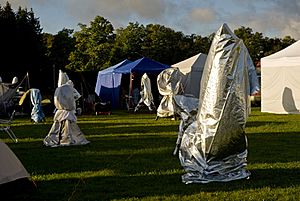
37,114
146,94
186,74
187,108
65,131
214,146
169,84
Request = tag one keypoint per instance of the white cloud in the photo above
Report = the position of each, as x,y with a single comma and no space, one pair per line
116,10
15,4
275,18
203,15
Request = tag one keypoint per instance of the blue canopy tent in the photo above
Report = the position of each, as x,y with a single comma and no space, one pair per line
109,80
139,67
108,84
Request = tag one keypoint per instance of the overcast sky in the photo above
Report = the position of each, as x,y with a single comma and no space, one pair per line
273,18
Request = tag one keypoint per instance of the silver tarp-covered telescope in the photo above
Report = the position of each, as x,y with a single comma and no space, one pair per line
214,146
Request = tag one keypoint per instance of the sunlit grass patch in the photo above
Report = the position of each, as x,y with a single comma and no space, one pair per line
73,175
130,157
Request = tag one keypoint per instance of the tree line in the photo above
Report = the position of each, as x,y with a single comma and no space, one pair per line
26,48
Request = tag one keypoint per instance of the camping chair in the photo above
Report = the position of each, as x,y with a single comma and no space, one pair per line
5,126
129,103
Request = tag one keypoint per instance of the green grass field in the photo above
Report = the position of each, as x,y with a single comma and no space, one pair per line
130,158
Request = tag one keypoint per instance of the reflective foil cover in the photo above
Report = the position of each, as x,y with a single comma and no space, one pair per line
214,146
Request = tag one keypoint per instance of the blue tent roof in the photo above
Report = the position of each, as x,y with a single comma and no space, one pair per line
142,65
112,68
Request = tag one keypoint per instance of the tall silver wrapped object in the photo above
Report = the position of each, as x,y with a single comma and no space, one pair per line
214,146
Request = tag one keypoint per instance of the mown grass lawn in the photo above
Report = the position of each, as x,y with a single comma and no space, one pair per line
130,158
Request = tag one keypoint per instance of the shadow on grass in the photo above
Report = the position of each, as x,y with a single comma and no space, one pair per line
39,131
119,154
273,147
131,154
118,187
130,129
114,151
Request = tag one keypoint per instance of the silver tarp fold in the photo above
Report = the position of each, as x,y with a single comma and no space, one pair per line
214,146
169,84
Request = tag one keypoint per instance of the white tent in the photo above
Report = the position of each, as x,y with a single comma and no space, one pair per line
11,168
280,81
192,69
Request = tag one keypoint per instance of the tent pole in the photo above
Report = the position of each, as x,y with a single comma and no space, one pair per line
130,91
28,82
113,90
53,74
82,99
130,84
28,85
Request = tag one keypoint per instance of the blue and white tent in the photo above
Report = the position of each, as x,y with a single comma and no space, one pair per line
109,80
108,84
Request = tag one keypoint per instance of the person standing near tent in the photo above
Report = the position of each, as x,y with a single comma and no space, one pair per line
65,131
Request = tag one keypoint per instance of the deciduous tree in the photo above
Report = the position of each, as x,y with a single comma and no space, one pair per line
93,46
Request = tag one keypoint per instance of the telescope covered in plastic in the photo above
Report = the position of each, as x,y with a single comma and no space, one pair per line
214,146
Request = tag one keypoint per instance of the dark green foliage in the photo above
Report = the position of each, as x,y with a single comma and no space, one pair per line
93,46
62,45
21,46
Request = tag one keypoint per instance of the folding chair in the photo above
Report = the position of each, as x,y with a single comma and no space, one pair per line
5,126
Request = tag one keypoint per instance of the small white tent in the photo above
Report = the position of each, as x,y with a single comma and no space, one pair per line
191,69
280,81
11,168
15,181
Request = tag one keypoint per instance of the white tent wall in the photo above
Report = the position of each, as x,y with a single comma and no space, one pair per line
192,69
11,168
280,81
